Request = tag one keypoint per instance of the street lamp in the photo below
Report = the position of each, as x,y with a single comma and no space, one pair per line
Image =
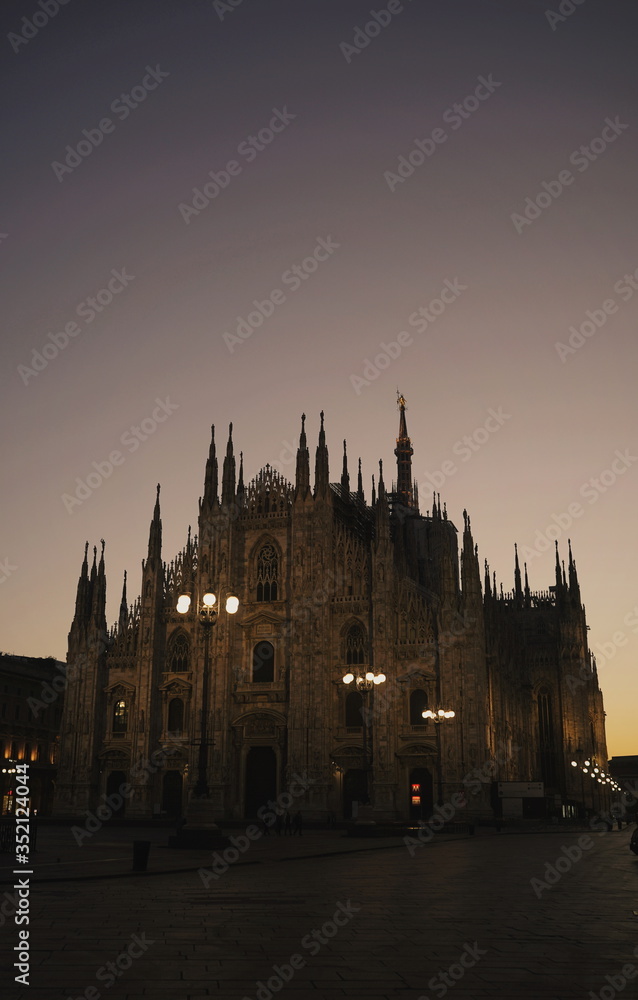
437,717
207,615
365,684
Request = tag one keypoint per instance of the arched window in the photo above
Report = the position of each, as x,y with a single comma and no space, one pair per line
175,715
267,574
418,705
547,756
27,751
263,662
179,654
40,754
354,710
120,717
356,645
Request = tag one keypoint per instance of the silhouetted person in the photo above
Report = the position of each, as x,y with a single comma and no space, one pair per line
297,823
287,823
279,824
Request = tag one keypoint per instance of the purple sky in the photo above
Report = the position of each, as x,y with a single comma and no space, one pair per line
329,174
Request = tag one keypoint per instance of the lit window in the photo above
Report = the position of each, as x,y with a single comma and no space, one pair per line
120,717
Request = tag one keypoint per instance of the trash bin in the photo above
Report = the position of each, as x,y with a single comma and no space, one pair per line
140,855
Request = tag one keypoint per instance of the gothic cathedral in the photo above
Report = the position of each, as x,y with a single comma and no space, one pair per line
331,587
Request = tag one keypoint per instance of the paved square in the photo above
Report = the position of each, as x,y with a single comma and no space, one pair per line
459,917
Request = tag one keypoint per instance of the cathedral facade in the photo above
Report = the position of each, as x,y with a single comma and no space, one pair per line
246,707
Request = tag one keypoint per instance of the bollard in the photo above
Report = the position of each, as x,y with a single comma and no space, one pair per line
141,849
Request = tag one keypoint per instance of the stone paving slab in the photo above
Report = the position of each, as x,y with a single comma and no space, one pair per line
410,920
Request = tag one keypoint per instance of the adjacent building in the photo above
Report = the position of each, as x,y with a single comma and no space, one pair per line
31,701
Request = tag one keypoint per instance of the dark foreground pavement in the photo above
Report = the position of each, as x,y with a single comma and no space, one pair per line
458,918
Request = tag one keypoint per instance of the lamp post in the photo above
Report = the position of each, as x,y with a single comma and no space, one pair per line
438,717
207,615
365,684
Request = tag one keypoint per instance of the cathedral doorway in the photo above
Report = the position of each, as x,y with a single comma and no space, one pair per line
261,778
114,782
421,795
354,790
172,793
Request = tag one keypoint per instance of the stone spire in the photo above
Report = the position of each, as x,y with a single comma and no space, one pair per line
518,590
574,587
123,619
154,557
404,452
228,472
345,477
302,477
99,591
241,489
211,478
321,465
83,596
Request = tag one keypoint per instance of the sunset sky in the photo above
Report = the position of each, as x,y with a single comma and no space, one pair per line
432,147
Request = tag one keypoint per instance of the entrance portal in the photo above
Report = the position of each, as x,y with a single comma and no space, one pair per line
261,778
172,793
354,790
421,797
114,782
